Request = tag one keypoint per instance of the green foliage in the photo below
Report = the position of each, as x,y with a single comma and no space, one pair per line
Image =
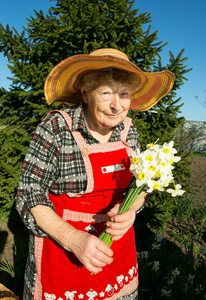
172,261
8,268
185,207
166,272
192,153
73,27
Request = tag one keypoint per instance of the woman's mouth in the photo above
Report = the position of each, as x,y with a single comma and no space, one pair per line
113,115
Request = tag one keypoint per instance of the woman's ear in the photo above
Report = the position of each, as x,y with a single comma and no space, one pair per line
84,96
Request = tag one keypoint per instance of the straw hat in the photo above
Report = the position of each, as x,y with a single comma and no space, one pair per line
60,83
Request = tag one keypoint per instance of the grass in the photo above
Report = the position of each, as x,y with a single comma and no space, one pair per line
193,153
7,267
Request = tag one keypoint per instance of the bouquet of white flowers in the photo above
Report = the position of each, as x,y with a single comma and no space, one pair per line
152,169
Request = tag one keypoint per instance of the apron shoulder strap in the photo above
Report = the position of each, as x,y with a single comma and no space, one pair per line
84,150
127,123
64,114
76,134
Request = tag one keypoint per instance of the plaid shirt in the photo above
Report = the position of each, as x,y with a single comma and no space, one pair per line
54,163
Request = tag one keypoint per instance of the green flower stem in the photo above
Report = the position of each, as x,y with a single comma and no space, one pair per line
131,197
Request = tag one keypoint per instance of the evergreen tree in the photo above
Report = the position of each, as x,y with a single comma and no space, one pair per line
73,27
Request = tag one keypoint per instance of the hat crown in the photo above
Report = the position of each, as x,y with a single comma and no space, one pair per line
110,52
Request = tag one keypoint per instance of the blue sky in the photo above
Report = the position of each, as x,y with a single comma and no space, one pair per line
181,23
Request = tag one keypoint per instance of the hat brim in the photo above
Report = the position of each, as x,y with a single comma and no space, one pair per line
60,83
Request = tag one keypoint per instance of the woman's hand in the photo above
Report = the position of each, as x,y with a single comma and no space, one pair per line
119,224
91,251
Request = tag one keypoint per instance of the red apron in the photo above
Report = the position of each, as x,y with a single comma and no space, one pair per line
60,275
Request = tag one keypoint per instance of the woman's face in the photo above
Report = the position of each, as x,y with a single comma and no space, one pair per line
107,105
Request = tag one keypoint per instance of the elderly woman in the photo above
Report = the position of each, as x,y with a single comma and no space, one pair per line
74,176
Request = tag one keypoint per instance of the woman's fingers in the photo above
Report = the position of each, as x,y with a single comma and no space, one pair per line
120,224
100,259
114,210
93,253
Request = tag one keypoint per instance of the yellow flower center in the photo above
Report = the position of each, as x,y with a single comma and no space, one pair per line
171,161
135,160
158,174
163,164
149,157
141,176
150,145
151,168
166,150
156,186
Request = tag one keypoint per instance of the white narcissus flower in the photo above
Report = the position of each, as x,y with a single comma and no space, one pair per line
153,147
167,179
159,238
135,160
191,278
186,287
156,265
144,254
165,292
175,272
199,289
155,185
175,159
148,156
170,281
156,246
165,166
152,162
176,191
167,151
142,177
137,164
141,174
153,167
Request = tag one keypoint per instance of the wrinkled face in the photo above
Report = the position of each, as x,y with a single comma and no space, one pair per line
107,105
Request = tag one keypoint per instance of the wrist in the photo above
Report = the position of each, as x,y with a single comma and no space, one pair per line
70,241
146,201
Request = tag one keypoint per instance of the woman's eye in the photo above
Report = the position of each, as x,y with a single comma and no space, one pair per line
124,95
106,95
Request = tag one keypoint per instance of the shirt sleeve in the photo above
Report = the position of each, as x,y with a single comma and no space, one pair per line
133,137
39,171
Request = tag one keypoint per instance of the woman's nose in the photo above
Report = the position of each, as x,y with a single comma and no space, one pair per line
115,102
